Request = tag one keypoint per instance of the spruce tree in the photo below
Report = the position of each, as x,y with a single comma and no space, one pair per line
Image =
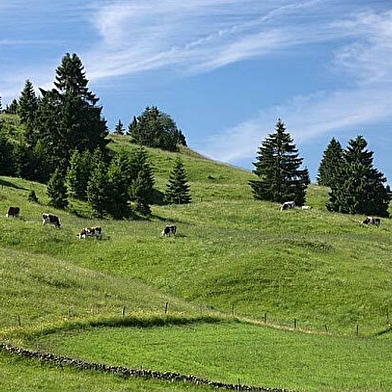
78,174
359,188
177,187
57,190
119,129
278,169
330,163
98,190
120,179
70,117
141,190
27,110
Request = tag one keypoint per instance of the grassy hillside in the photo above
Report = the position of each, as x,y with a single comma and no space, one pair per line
310,270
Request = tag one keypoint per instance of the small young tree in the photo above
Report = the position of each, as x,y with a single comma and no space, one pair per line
278,169
57,190
98,190
141,190
330,163
359,188
78,174
119,129
177,187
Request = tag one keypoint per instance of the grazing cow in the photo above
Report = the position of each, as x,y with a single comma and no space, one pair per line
287,205
50,218
13,211
169,229
371,221
95,231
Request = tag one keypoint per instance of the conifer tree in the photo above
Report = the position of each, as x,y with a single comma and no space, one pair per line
57,190
119,129
120,180
359,188
278,169
78,174
141,190
27,110
177,187
98,190
71,118
330,163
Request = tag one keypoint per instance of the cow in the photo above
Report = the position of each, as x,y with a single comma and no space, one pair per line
306,207
50,218
95,231
169,229
13,211
287,205
371,221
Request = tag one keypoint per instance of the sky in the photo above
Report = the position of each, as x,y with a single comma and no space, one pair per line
224,70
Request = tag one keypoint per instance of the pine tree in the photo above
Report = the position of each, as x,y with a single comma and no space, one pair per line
27,110
71,118
177,187
359,188
331,161
98,190
120,180
278,168
141,190
119,130
78,174
57,190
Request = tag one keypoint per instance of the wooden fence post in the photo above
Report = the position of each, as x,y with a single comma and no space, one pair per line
166,307
295,323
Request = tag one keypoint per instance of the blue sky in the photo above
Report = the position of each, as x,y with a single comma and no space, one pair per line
224,70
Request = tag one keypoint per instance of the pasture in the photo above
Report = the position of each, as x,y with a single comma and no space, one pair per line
304,296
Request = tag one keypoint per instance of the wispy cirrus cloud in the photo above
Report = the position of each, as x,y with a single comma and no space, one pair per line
361,62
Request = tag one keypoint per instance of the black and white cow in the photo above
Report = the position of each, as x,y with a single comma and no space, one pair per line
169,229
51,219
287,205
13,212
95,231
371,221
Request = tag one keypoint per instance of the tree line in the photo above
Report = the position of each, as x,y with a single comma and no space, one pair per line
356,186
64,144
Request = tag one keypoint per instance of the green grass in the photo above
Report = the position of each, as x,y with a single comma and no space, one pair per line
232,256
236,353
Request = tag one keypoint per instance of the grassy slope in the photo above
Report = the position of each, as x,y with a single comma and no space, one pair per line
231,253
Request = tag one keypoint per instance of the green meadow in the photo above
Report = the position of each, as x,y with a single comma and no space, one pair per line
244,293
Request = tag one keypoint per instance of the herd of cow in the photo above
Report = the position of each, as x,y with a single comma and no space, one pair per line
369,220
86,232
96,231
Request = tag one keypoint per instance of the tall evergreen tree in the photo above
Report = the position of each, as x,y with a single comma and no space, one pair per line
359,188
71,119
330,163
177,187
27,110
278,168
57,190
